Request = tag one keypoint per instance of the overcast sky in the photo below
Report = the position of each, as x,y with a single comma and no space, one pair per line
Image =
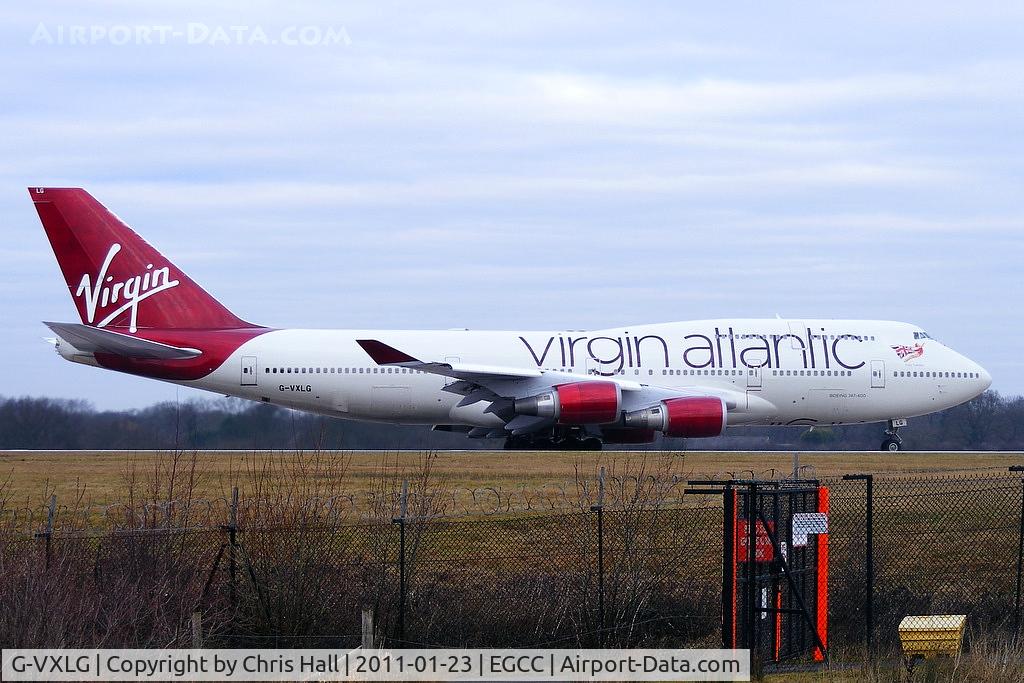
516,165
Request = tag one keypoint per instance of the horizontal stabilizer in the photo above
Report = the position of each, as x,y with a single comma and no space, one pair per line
96,340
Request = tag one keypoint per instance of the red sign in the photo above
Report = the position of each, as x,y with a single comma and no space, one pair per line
763,550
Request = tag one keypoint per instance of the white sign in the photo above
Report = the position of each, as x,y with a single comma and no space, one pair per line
806,523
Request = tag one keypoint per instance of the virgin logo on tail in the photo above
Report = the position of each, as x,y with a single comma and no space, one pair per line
103,291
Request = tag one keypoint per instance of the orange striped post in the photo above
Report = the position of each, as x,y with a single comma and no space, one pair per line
778,621
821,541
730,587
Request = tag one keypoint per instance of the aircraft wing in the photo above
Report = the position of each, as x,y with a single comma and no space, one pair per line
507,382
97,340
501,385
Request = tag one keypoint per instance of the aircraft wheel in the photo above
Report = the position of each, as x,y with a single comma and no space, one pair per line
591,443
891,445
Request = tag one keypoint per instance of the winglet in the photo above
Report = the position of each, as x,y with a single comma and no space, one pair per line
382,354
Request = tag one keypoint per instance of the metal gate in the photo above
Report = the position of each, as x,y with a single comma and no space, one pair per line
775,568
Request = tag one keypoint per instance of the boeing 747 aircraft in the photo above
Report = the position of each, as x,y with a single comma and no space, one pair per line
140,314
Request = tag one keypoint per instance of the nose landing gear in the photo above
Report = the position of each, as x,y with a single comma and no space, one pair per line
893,442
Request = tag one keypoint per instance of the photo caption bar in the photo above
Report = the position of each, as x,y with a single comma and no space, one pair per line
375,665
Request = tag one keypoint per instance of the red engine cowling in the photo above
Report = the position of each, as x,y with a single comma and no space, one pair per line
578,403
691,417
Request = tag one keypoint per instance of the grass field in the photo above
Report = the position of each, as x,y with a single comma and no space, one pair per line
933,571
103,477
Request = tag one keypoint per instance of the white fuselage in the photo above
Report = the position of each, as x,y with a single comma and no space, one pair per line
771,372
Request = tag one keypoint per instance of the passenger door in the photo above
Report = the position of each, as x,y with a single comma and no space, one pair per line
248,371
878,374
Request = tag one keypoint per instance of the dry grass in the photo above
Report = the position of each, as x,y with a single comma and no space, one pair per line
103,477
988,658
297,490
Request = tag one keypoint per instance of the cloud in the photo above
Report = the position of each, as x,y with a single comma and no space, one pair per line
532,165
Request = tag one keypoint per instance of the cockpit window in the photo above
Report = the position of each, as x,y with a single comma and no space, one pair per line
921,335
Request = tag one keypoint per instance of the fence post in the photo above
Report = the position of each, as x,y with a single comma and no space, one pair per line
47,533
233,543
1020,559
869,555
367,642
598,507
751,540
403,510
729,569
197,629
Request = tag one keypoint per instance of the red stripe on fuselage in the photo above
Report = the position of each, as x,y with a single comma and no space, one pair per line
216,345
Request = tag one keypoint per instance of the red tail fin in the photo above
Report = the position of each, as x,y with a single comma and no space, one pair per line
116,279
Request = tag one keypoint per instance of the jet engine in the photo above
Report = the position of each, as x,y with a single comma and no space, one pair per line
578,403
695,416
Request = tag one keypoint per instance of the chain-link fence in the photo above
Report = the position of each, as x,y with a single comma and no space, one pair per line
621,574
924,545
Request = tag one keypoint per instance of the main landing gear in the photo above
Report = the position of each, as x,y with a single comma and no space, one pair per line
893,442
573,440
